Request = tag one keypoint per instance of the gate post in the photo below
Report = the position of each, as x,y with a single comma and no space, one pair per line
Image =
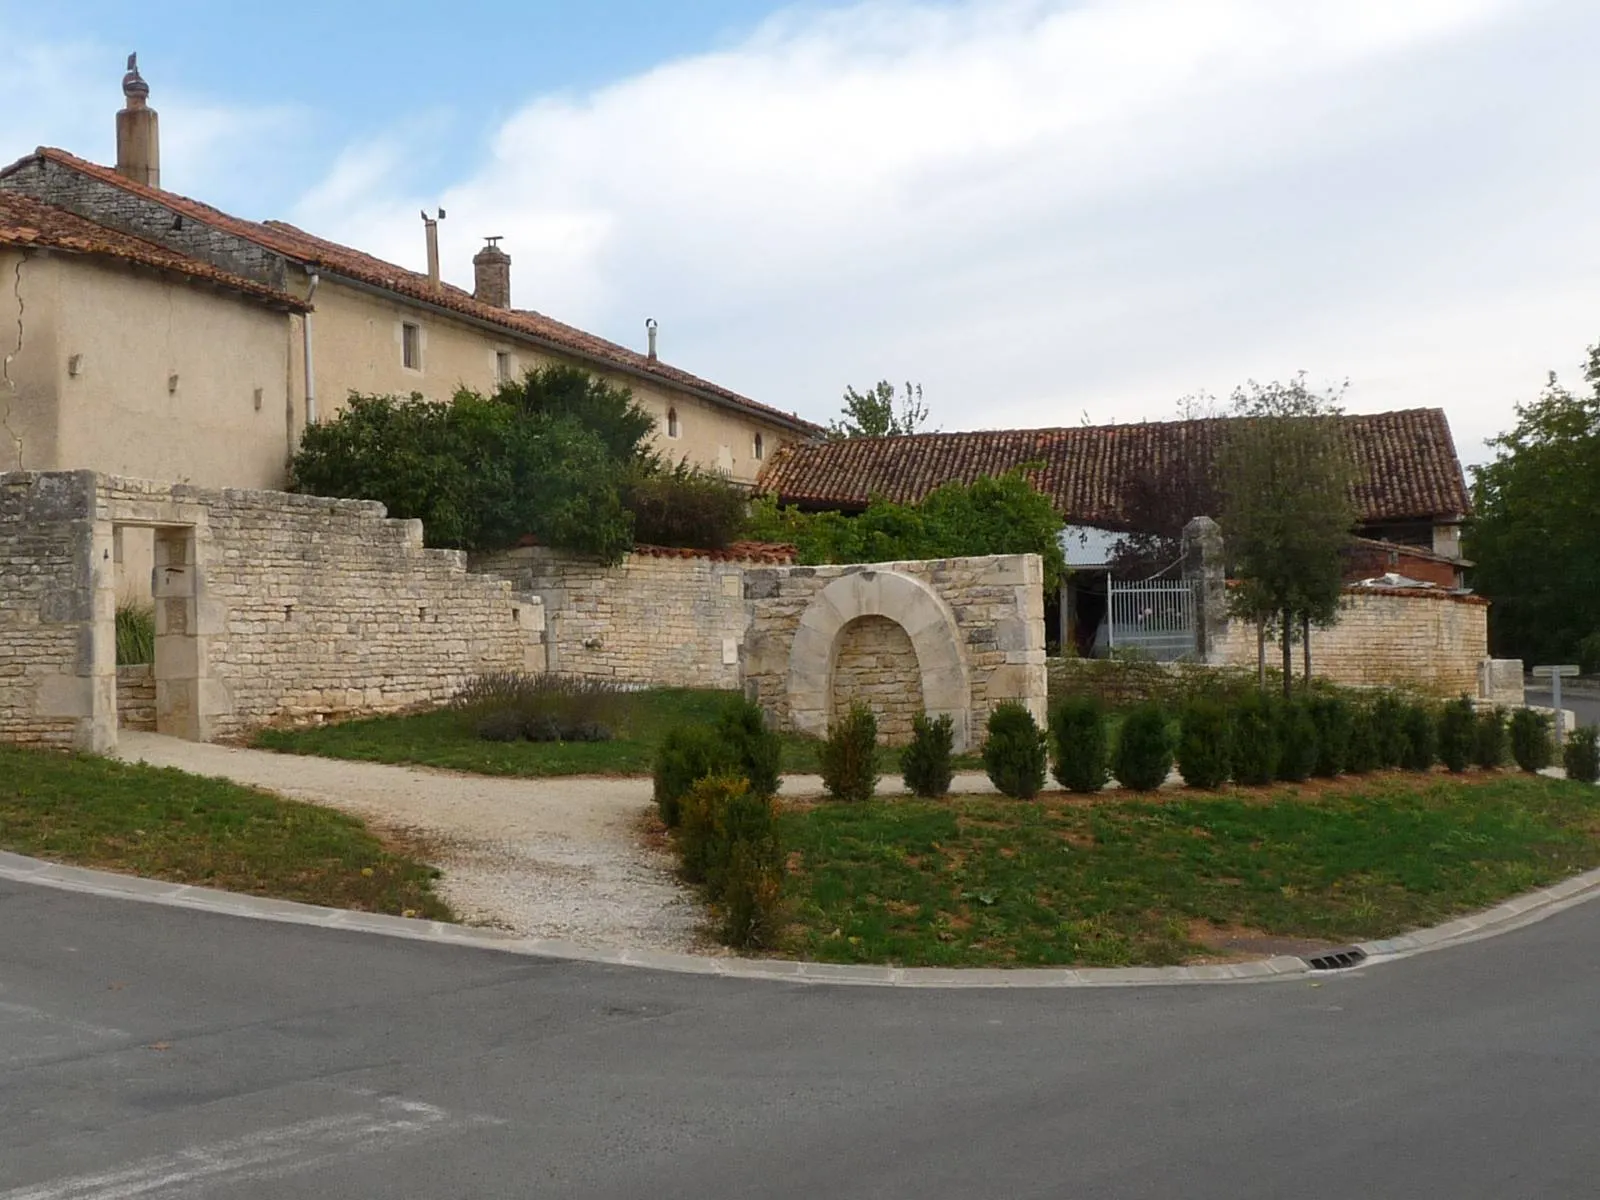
1206,573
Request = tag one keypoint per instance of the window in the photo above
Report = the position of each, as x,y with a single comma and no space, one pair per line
672,422
502,366
760,448
411,346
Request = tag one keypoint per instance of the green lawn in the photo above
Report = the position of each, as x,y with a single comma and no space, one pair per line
164,824
982,881
442,738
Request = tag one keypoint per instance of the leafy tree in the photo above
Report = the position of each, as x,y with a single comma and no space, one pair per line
999,515
879,412
1285,474
1536,541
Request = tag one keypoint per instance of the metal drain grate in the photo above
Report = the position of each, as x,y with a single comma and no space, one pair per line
1336,960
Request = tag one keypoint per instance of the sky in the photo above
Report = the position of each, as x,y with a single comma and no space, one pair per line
1044,212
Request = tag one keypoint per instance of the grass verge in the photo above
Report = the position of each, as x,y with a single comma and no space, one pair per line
165,824
442,738
1120,882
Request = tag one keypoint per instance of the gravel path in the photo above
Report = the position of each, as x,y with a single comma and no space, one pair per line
552,858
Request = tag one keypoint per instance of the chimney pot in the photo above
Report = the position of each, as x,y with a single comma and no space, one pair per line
138,131
650,330
491,270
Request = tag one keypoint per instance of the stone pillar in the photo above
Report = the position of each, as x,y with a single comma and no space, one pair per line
1203,566
181,708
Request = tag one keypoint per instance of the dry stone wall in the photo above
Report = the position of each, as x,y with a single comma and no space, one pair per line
136,697
657,617
1417,637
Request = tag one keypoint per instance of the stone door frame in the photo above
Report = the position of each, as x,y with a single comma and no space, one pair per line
911,604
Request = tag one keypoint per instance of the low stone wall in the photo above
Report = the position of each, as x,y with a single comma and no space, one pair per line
967,634
660,616
1416,637
136,697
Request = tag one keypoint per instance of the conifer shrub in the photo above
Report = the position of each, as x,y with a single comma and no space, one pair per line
1256,741
1143,756
756,750
1489,739
1362,754
1014,756
925,762
1205,744
687,754
1388,712
1332,717
727,840
752,894
1530,739
850,755
1080,744
1581,755
1458,734
1297,742
1420,734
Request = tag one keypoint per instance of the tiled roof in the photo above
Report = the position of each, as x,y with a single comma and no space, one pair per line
28,222
302,247
1407,459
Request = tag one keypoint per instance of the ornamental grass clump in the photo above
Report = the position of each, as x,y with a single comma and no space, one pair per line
1256,741
1581,755
925,762
1458,734
1205,744
1297,743
1419,737
1143,757
1014,756
1530,739
850,755
1080,744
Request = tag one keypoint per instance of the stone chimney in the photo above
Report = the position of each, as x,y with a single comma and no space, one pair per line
430,227
491,269
138,131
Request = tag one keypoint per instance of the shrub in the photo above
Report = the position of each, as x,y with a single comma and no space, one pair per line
552,707
688,754
728,841
1255,741
1420,745
136,634
1581,755
925,763
1014,756
756,750
1143,756
752,896
1589,654
1297,742
1332,717
850,755
1080,744
1489,739
685,506
1530,739
1388,713
1458,734
1362,754
1205,744
500,725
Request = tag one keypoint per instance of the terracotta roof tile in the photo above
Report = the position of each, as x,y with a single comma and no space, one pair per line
1408,462
303,247
28,222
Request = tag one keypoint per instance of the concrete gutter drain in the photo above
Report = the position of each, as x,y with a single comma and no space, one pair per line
1337,960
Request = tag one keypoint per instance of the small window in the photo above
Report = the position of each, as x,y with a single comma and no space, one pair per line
760,448
502,366
411,346
672,422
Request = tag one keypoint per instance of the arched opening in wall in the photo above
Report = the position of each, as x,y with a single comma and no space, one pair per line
875,663
672,422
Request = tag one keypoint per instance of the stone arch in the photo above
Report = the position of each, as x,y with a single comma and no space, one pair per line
909,603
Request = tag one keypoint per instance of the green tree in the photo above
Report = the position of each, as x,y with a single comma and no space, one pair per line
1536,537
1285,475
879,412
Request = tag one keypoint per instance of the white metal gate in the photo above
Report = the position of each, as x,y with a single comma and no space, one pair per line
1154,616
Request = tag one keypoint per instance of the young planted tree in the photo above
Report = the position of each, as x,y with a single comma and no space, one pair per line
1285,476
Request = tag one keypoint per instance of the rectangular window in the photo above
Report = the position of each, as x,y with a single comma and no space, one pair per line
411,346
502,366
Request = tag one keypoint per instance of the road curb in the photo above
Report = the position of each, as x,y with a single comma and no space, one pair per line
1513,914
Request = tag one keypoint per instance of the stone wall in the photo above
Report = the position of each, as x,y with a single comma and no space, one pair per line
1419,637
976,626
660,616
136,697
876,664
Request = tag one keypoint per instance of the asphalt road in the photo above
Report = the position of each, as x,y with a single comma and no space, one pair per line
1584,705
153,1052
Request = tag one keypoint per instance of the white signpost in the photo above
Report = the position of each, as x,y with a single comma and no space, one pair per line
1555,675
